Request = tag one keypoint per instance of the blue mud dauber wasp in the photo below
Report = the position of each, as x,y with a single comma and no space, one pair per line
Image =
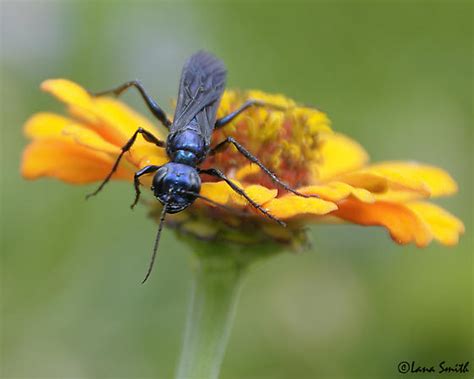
177,183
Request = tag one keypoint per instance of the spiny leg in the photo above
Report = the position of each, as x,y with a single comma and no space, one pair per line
147,136
219,174
252,158
250,103
136,181
152,105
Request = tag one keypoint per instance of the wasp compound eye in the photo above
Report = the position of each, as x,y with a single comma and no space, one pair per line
174,185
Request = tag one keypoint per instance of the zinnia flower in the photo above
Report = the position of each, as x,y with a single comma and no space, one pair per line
298,145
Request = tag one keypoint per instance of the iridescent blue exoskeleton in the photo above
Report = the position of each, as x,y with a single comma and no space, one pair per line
177,183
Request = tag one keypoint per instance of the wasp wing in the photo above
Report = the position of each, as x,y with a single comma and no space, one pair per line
201,87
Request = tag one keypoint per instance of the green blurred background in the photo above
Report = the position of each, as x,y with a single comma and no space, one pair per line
395,76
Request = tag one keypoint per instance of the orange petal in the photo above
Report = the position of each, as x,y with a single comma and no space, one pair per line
339,154
445,227
122,118
403,224
111,118
48,125
68,161
292,205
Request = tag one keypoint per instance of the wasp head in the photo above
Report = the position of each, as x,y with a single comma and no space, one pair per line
174,185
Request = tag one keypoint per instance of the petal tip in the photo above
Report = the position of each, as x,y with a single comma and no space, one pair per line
50,84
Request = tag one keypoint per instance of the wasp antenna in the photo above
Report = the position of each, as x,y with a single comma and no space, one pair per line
157,242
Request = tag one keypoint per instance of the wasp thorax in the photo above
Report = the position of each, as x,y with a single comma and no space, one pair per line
176,185
186,147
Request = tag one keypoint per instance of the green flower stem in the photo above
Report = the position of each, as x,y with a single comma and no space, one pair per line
216,286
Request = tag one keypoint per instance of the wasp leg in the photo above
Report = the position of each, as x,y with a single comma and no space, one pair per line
252,158
147,136
136,181
219,174
152,105
250,103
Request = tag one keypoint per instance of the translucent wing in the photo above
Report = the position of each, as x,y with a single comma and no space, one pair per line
201,87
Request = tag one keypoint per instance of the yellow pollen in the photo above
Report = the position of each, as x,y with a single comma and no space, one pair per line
285,141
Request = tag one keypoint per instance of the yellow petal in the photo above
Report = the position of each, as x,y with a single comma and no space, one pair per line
445,227
403,224
45,124
48,125
401,181
149,154
292,205
386,182
68,161
216,191
436,180
221,193
339,154
247,170
337,191
257,193
68,92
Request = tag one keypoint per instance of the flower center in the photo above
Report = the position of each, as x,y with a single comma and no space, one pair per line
287,142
